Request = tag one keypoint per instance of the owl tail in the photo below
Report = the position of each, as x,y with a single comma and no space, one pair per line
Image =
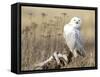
82,52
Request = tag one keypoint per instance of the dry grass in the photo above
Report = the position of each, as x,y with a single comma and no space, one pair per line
42,34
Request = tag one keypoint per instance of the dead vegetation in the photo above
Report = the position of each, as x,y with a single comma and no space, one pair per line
42,35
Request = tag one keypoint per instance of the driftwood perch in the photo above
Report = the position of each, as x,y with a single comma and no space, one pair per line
55,61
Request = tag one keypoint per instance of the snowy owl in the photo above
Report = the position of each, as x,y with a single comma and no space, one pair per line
73,37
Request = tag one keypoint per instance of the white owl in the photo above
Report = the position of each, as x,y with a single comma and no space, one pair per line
73,37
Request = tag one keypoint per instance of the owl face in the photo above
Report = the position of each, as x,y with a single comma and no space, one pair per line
76,20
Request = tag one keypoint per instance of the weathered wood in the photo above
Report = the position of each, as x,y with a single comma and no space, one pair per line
57,60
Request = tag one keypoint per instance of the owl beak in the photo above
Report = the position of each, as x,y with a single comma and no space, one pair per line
77,22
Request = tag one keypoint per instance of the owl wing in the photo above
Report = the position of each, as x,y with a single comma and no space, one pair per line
79,43
70,39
